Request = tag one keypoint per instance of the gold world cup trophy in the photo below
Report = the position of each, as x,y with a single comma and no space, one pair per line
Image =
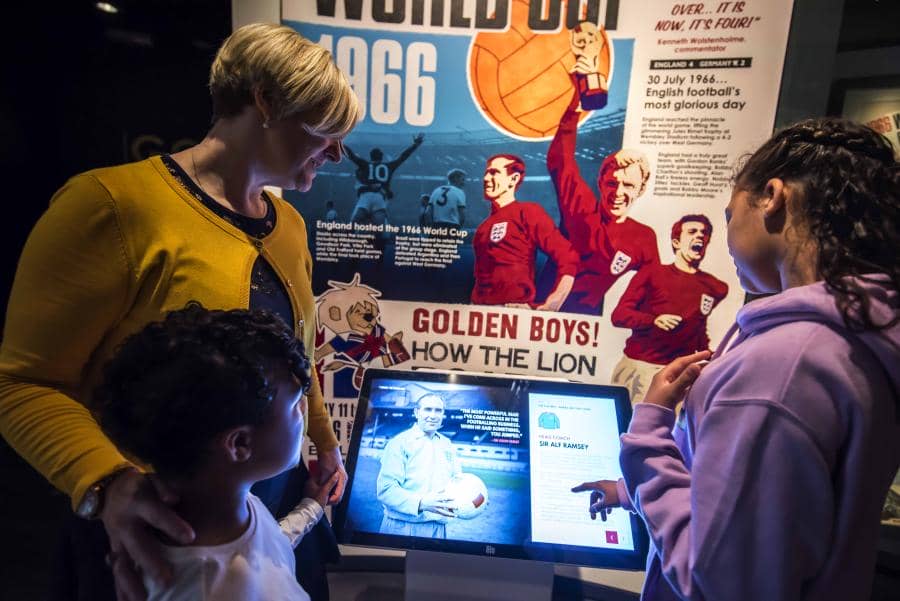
586,42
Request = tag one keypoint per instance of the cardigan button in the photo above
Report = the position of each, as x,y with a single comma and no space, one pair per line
258,243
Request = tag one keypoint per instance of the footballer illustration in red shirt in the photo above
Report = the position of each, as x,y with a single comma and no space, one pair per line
507,241
667,307
608,242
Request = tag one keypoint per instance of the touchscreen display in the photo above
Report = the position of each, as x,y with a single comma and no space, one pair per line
485,464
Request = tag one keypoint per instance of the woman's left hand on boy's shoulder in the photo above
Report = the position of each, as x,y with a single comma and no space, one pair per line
136,504
330,464
670,384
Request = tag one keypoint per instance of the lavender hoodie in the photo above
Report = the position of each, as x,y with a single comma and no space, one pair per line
791,440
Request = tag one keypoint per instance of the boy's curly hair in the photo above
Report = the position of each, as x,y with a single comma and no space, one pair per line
176,384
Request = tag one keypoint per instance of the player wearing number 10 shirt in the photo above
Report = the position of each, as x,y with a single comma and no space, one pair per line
373,188
608,242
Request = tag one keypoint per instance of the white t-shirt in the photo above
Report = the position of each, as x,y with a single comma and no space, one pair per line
257,566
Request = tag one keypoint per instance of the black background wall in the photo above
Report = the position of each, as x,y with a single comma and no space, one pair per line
84,89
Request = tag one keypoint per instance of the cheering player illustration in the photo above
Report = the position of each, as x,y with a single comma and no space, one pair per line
608,241
373,189
350,310
506,243
667,307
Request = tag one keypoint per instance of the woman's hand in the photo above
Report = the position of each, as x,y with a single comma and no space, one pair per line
134,505
604,497
330,462
671,383
320,492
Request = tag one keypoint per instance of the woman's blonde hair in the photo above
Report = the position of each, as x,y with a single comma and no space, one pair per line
294,75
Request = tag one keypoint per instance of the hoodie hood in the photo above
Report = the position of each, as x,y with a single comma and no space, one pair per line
815,303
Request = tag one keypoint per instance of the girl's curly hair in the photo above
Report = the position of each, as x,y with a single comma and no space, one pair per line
851,203
176,384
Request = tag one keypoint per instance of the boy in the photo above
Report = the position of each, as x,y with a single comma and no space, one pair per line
214,401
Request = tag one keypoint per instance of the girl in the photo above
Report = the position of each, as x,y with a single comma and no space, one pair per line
772,487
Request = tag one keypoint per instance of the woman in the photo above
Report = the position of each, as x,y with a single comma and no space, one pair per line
772,486
122,246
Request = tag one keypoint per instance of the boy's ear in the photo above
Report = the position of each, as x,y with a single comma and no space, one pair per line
237,444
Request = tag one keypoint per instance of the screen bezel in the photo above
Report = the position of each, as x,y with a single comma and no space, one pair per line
547,552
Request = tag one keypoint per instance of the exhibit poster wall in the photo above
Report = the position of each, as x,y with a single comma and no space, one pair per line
469,202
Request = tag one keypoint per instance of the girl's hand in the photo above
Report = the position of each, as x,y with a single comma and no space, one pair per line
604,497
671,383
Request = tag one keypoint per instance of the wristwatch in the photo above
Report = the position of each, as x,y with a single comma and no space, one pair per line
92,501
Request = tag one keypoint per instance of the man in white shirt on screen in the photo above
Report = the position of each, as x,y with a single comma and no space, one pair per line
416,467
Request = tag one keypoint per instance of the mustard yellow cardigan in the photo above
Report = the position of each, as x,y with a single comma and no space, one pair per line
118,248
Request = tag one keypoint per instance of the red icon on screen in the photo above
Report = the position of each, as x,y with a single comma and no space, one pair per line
612,537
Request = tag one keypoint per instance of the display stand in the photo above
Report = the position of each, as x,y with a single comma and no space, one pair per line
451,577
